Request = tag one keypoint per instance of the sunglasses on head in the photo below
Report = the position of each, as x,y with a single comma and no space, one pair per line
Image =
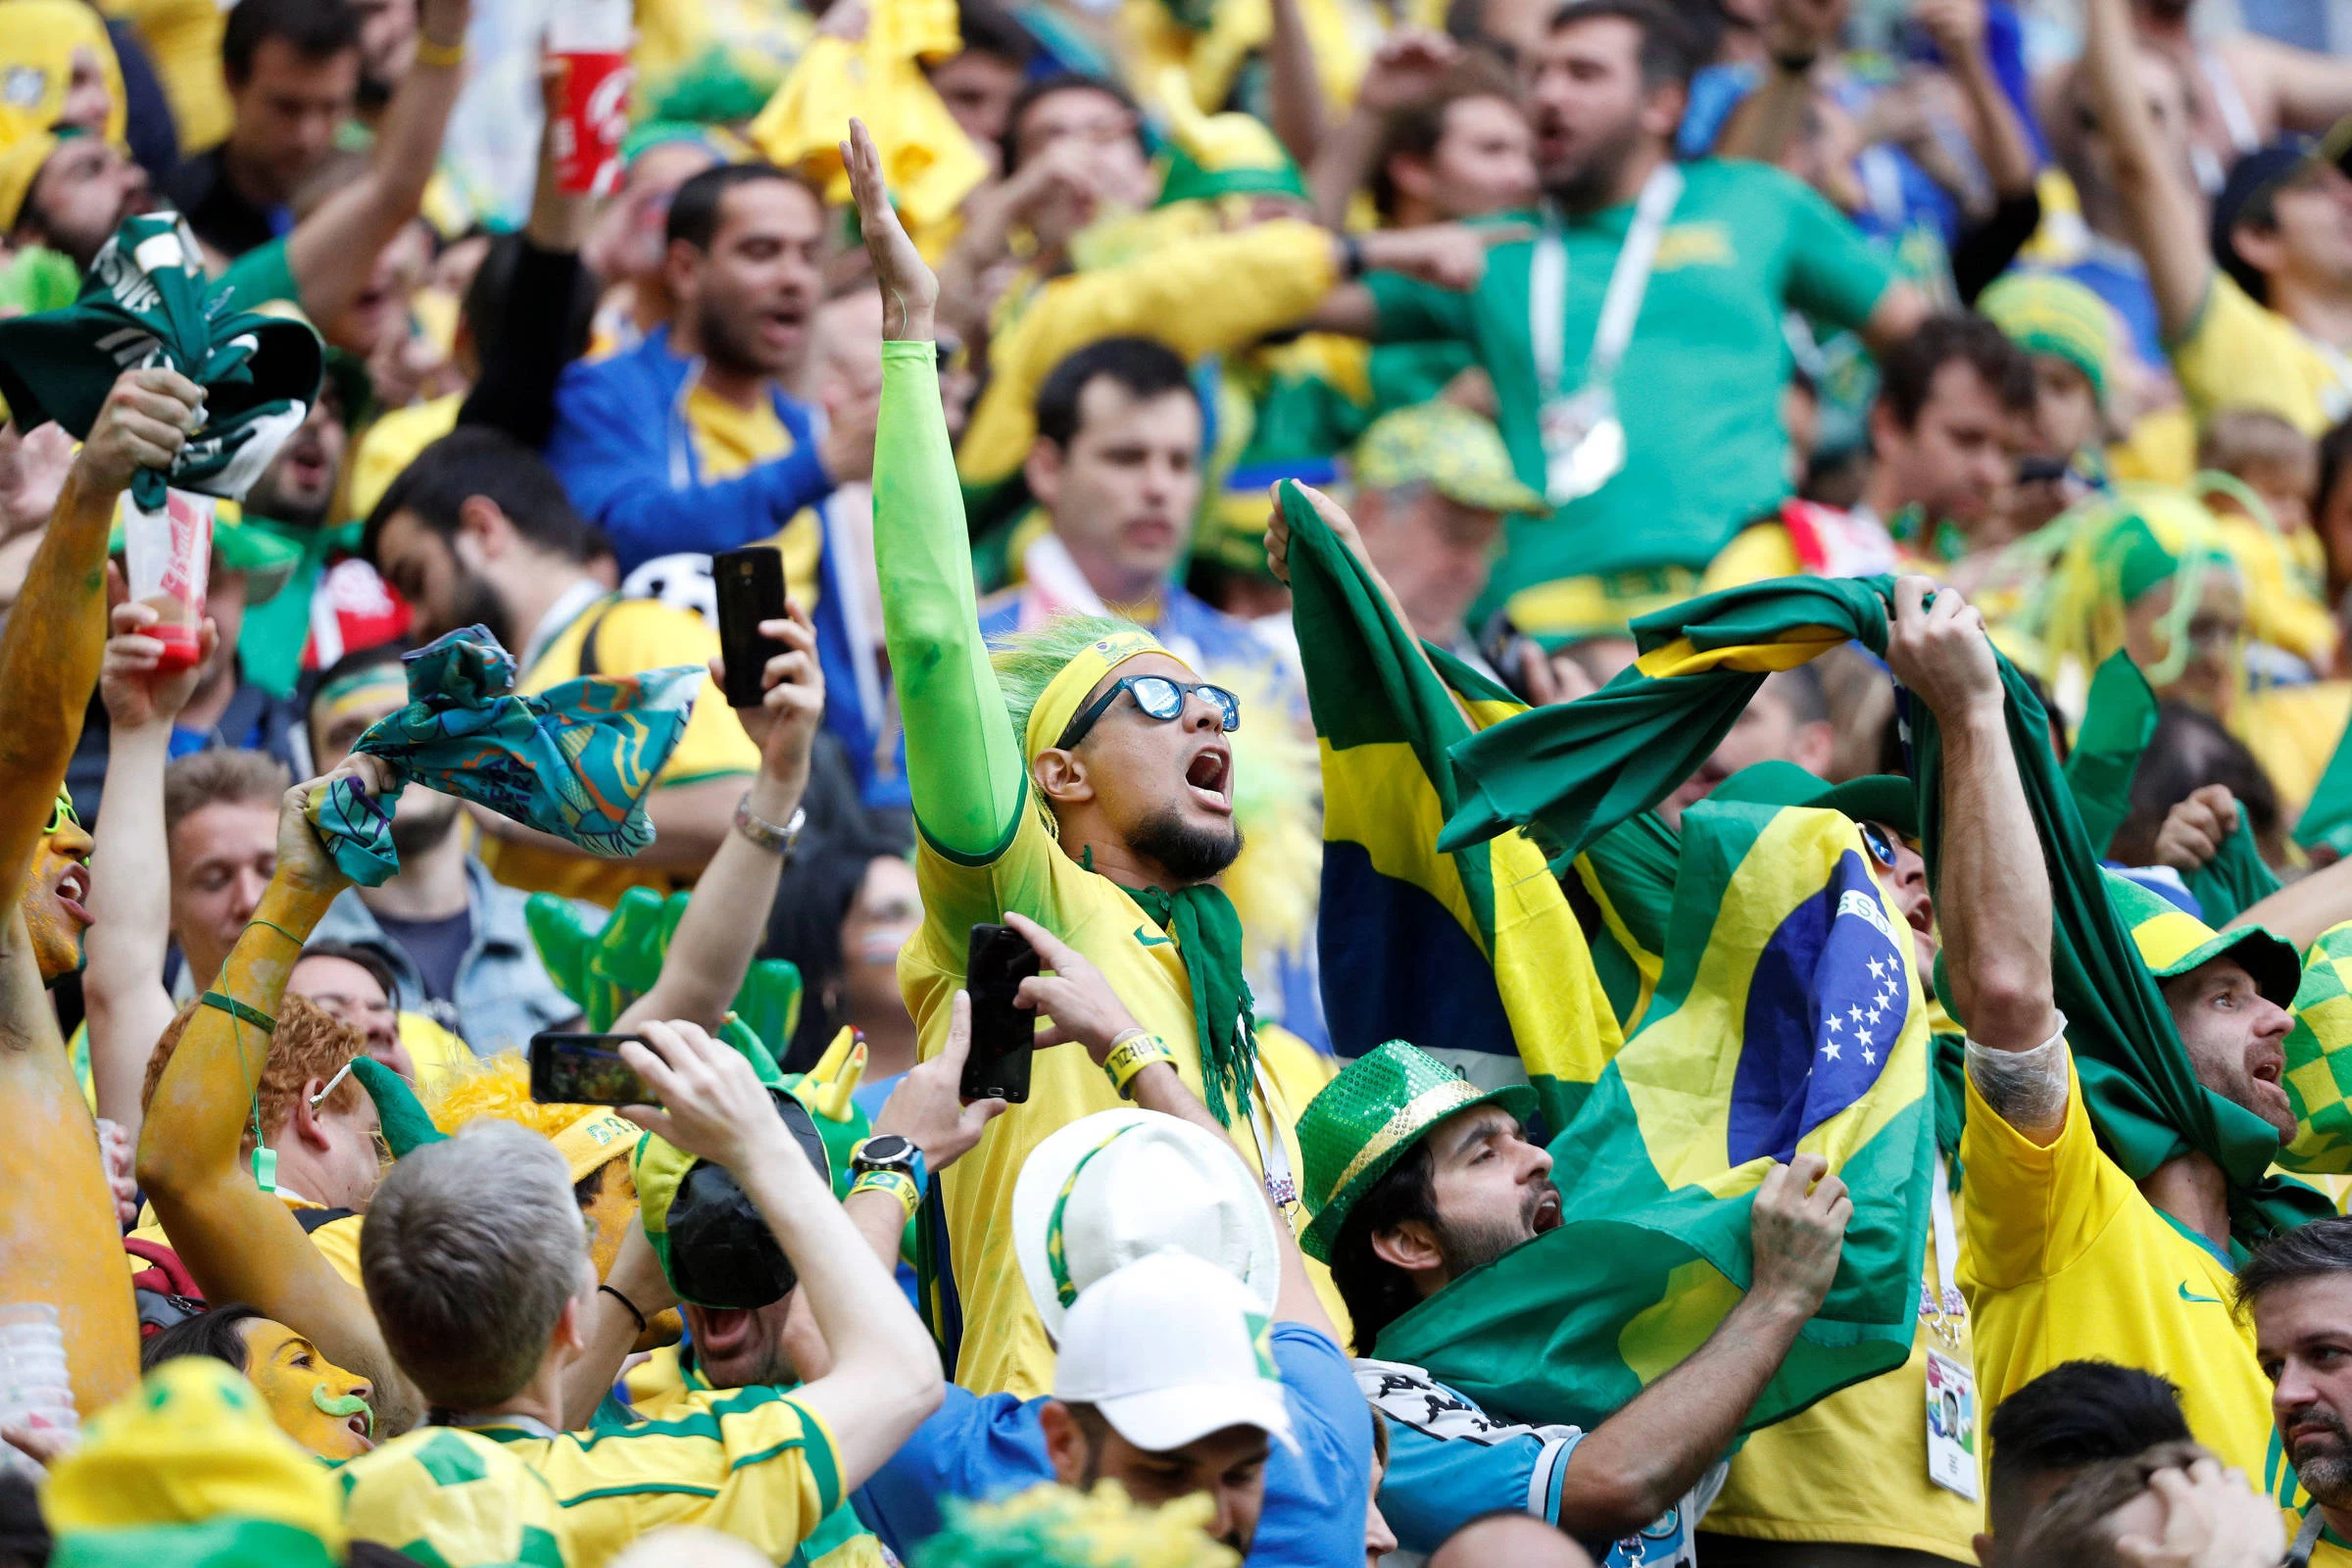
1159,698
1879,843
61,813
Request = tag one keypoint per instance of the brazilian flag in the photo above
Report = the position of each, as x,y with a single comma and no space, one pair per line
1577,771
1474,956
2318,1058
1787,1017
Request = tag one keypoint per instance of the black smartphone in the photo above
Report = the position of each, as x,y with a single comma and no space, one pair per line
751,590
1004,1036
568,1069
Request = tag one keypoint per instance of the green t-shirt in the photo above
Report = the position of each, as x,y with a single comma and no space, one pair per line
261,274
1700,390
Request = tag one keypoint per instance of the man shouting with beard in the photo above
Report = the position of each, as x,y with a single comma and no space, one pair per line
2299,1291
1083,779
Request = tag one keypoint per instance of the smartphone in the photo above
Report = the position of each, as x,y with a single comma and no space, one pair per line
751,590
569,1069
1004,1036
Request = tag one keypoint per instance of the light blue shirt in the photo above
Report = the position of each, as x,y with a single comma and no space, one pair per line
504,995
1450,1462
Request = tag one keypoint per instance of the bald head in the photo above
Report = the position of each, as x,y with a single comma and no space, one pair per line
1518,1539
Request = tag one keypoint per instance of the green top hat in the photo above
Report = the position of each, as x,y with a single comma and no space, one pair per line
2171,942
1359,1124
1877,797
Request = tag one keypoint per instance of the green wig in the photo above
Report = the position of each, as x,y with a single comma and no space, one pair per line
1027,661
1051,1526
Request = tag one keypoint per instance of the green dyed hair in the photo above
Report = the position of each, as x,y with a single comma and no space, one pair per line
1028,661
1053,1527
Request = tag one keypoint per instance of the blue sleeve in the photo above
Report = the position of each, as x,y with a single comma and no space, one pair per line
1314,1507
972,1446
613,454
1449,1462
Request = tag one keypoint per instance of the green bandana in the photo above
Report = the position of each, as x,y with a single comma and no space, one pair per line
1575,770
148,303
575,761
1208,934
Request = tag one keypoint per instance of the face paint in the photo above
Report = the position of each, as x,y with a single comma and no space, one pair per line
54,892
313,1401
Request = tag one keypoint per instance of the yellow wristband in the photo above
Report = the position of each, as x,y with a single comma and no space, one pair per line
895,1183
440,56
1134,1052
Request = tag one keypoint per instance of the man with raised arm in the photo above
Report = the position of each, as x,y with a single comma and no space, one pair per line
58,1229
2066,1256
1083,781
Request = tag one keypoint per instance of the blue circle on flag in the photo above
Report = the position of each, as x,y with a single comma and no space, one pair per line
1825,1005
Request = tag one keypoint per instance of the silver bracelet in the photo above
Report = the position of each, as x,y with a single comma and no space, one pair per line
776,840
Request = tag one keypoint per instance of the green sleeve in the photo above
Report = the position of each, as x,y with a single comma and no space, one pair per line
259,276
1834,273
1412,310
963,766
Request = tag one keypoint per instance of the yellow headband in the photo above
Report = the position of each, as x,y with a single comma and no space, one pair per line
598,1136
1066,692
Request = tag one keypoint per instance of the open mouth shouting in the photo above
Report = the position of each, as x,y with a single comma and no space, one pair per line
72,892
1211,776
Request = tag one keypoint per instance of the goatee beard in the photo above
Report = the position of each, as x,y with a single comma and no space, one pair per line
1187,850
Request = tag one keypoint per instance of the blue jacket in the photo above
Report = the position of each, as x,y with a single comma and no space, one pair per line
622,448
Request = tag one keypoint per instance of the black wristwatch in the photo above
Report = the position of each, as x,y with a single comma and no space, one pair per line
890,1152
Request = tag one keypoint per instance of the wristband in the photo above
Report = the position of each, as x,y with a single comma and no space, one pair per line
631,1306
241,1012
1795,64
1130,1054
1352,258
440,56
895,1183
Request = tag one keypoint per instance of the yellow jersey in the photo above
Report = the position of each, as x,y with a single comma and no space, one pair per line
2238,355
752,1463
2066,1259
627,637
1853,1469
335,1231
1004,1348
729,442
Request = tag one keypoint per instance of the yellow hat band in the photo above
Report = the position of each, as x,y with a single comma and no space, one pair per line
594,1138
1066,692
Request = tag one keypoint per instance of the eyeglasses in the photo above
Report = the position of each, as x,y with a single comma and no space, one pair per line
1159,698
61,813
1879,843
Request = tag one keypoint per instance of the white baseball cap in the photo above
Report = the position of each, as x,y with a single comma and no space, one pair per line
1171,1348
1121,1185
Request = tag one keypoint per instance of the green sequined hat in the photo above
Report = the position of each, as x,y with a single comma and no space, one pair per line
1360,1123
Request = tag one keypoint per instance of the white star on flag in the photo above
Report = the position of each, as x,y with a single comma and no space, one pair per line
1829,1049
1877,968
1867,1040
1870,1059
1835,1022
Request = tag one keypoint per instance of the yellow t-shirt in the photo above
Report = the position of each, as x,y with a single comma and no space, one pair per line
728,441
2066,1260
752,1463
2330,1551
2292,731
2285,587
2237,355
392,443
183,42
337,1240
632,636
1853,1469
1005,1346
447,1495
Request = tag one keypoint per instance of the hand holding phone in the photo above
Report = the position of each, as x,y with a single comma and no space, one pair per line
582,1070
751,589
1004,1032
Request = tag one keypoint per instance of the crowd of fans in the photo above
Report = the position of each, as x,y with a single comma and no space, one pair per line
1660,685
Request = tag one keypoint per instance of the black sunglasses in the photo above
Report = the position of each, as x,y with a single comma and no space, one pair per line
1159,698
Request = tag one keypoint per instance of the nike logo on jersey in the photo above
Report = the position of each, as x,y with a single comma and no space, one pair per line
2187,1295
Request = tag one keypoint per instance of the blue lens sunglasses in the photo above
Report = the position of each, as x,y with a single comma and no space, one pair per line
1159,697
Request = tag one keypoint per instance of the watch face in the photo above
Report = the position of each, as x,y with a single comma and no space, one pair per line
886,1149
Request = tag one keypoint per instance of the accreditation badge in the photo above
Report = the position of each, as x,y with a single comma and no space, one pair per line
1584,443
1951,1425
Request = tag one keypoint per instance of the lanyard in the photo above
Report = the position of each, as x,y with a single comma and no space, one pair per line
1948,1238
1628,280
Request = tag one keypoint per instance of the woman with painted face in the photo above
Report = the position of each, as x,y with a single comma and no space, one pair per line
313,1401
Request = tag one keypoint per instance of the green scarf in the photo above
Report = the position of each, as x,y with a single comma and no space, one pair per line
147,302
1208,935
1574,771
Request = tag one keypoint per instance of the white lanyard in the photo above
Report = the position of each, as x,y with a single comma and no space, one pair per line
1948,1238
1628,280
